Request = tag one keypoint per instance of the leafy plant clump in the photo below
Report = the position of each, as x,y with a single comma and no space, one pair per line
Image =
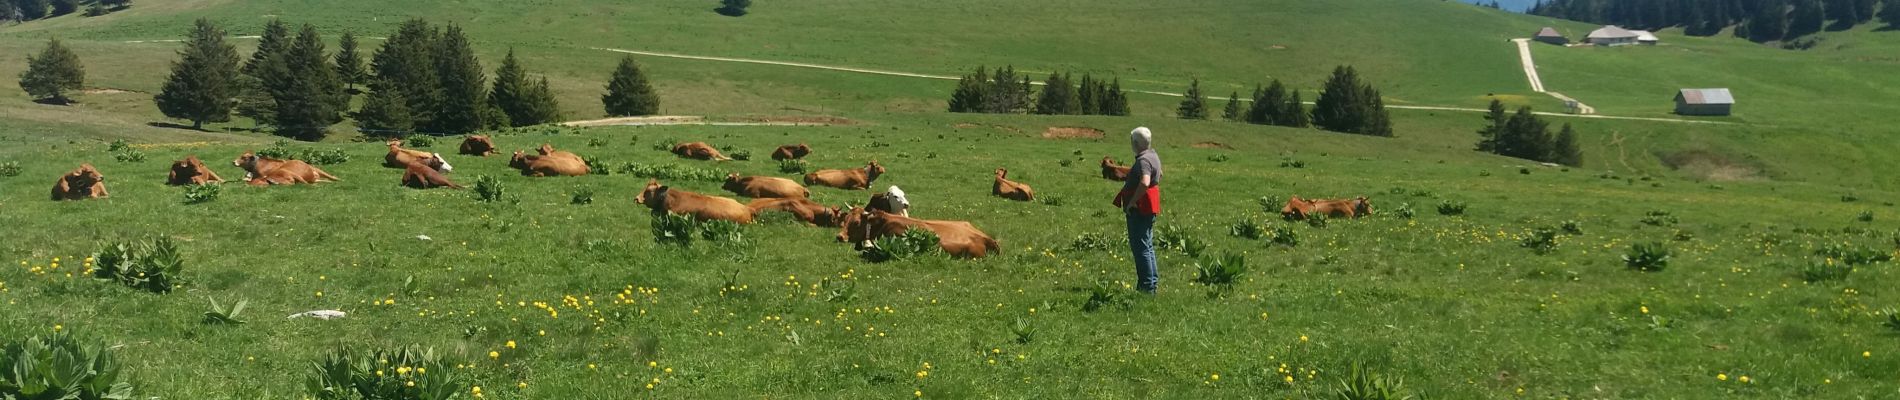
489,189
407,373
60,367
597,167
1451,208
1572,227
684,230
1540,240
1404,211
794,167
721,231
1105,295
153,266
1283,235
741,155
673,172
913,243
1174,238
10,169
1097,241
1246,228
419,141
1647,257
1853,255
1292,163
1220,271
130,156
202,193
582,195
219,315
1024,329
1364,384
1865,216
1825,270
325,157
1659,218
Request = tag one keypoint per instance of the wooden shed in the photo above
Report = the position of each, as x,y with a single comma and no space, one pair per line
1704,102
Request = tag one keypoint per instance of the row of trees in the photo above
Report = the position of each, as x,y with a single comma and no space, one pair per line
1523,135
1006,92
1757,20
421,79
28,10
1345,105
1269,106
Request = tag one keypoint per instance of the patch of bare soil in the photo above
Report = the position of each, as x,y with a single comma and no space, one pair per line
1071,132
802,120
1714,166
1213,145
105,91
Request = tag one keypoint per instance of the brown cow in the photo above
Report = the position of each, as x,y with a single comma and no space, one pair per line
891,201
958,238
1296,209
698,151
1008,189
399,157
1112,171
478,145
701,207
262,171
83,183
423,175
547,150
190,171
764,187
555,165
851,179
806,210
790,152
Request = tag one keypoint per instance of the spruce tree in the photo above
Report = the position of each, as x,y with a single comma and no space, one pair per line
1489,135
1770,22
200,87
53,74
1193,104
310,98
1114,101
349,63
1565,150
734,8
63,7
94,10
31,9
1806,18
1232,112
1270,107
628,93
1524,136
463,93
542,107
510,89
1890,13
972,89
8,11
1058,97
272,43
1348,105
1296,112
1007,94
1844,13
1088,97
384,113
406,63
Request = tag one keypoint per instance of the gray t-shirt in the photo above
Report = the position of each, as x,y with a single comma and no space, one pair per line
1146,163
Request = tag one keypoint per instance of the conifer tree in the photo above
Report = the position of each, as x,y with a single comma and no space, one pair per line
463,93
349,63
1565,150
542,107
1348,105
200,87
1193,104
406,63
1007,94
1088,96
523,102
53,74
384,113
1058,97
1770,23
8,11
310,98
1296,112
1114,101
628,93
972,89
1890,13
1489,135
31,9
63,7
1270,107
272,43
1806,18
735,8
1232,112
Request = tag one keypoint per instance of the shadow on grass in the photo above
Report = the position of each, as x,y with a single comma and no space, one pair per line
168,125
55,101
730,12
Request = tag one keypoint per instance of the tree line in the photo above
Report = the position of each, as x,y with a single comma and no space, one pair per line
1756,20
1346,104
1006,92
29,10
422,79
1523,135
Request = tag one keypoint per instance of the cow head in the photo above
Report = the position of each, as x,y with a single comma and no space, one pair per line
872,171
247,161
84,177
438,163
518,161
1295,208
1002,173
853,227
545,149
1362,206
801,151
394,143
188,166
654,196
1108,162
734,182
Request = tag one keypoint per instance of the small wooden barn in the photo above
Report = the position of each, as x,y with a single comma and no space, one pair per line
1550,35
1704,102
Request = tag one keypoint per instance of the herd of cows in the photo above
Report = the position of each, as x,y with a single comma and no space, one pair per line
885,214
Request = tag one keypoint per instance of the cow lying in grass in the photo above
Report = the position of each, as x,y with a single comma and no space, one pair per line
1009,189
1299,209
958,238
663,199
424,174
83,183
849,179
263,171
478,145
698,151
399,157
804,209
759,187
891,201
791,152
1112,171
191,171
544,165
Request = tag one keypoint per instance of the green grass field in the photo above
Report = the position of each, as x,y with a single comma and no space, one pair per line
595,308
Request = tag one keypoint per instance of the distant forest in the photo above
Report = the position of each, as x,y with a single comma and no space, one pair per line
1756,20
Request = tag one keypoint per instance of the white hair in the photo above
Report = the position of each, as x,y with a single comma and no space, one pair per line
897,196
445,162
1141,138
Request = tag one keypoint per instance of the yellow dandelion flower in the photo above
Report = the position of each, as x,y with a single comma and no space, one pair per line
494,354
1721,377
1742,379
511,344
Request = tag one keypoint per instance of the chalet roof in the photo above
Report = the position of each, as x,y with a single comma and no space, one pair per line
1706,96
1611,32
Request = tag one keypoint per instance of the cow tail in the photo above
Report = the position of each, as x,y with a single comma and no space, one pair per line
326,175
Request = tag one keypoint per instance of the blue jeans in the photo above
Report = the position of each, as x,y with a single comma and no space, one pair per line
1141,241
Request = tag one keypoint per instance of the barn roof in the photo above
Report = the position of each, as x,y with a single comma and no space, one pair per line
1611,32
1548,32
1645,36
1706,96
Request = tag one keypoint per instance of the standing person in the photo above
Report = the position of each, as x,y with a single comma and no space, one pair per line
1140,199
